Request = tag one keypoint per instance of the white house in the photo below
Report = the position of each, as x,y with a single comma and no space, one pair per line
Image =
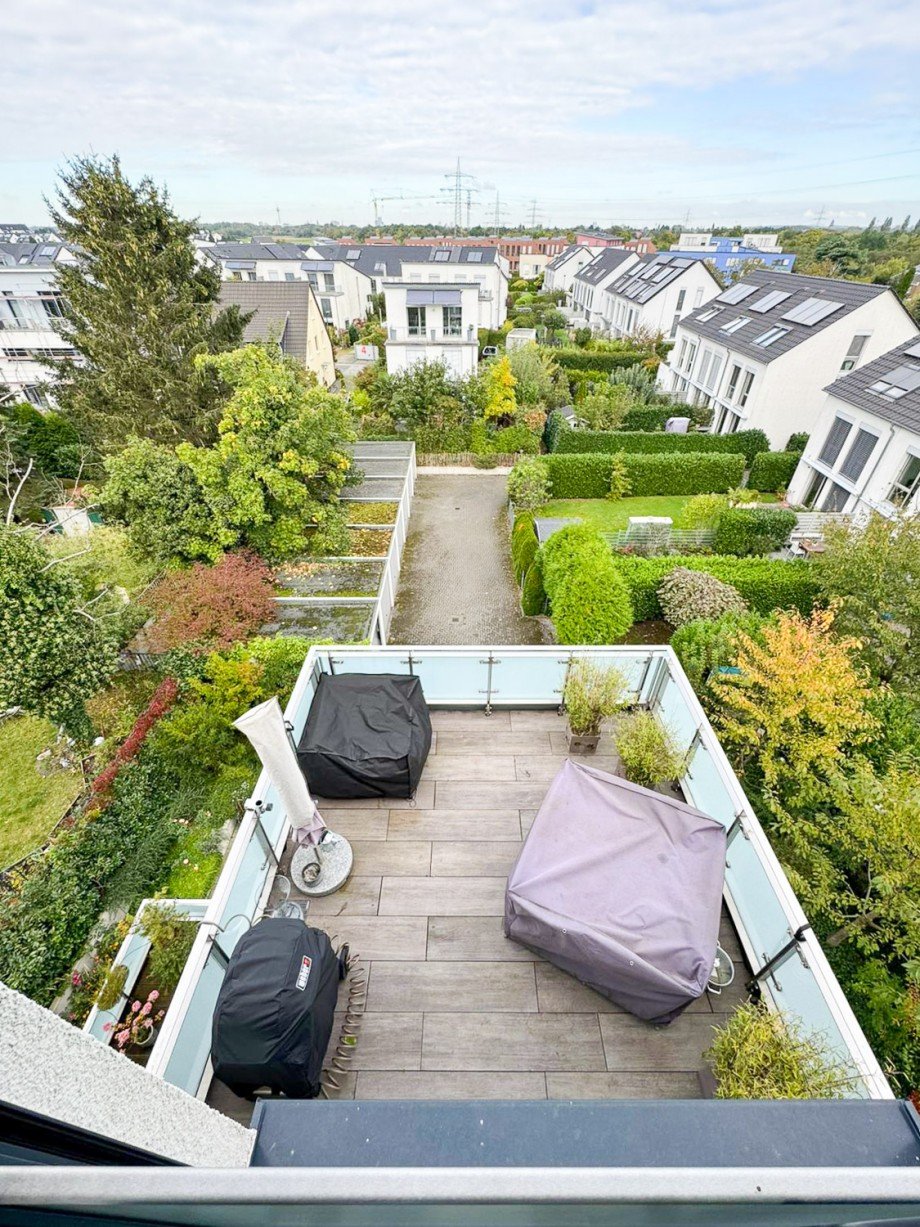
532,263
864,451
30,311
762,352
590,283
655,293
483,266
432,321
560,272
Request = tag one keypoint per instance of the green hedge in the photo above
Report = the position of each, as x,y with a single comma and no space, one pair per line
647,417
588,476
766,584
588,597
773,470
566,439
524,544
753,530
589,360
533,595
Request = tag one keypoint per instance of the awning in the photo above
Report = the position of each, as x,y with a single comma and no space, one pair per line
317,266
443,298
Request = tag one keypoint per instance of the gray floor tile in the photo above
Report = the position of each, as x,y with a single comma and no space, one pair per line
469,767
632,1045
501,741
358,897
452,987
473,937
484,795
472,858
535,1042
378,937
389,1041
442,897
434,1085
455,824
392,857
622,1086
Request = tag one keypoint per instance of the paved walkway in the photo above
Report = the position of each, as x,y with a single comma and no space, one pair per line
456,584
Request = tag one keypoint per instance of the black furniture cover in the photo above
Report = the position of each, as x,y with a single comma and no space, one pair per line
367,735
274,1012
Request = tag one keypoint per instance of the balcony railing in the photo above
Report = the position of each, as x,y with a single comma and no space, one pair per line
47,324
437,336
761,901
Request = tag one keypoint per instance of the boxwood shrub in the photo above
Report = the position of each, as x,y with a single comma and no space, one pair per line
766,584
772,470
567,439
588,476
753,530
589,598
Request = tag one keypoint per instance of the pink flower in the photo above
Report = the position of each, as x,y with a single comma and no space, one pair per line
76,979
147,1007
135,1006
122,1038
154,995
109,1026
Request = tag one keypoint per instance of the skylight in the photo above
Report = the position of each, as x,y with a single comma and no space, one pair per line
738,322
442,255
883,388
906,376
769,301
738,293
812,310
352,253
771,335
474,257
913,352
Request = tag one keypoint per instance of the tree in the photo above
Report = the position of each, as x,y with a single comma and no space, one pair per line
500,385
211,607
871,573
841,253
425,391
55,649
138,308
533,370
273,478
607,407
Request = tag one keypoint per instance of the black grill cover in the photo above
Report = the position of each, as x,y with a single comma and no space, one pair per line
367,735
274,1012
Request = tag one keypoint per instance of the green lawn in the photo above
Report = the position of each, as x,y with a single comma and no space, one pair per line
30,804
609,516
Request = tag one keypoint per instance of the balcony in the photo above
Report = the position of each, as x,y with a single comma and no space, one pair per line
455,1010
432,336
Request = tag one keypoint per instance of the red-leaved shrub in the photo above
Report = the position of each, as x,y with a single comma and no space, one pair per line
161,701
211,607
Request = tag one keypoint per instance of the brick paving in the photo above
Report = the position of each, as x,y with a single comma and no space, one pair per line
456,584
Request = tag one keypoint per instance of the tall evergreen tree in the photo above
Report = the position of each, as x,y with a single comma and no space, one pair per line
138,308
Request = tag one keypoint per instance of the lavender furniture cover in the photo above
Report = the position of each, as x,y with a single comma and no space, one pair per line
622,888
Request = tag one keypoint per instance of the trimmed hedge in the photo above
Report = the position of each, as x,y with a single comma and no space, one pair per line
566,439
589,360
766,584
753,530
588,476
588,596
533,595
524,544
647,417
797,442
773,471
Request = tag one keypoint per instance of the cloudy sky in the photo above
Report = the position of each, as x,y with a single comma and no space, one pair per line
637,111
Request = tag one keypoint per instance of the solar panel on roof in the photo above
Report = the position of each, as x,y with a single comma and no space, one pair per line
769,301
906,376
913,352
474,257
352,253
738,293
812,310
682,262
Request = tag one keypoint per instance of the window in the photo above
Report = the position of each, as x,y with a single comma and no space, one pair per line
680,301
906,485
709,314
858,454
474,257
35,396
52,304
290,277
812,311
691,354
836,498
737,323
313,279
417,321
772,334
733,382
854,353
453,321
682,354
698,298
442,256
714,372
352,253
898,383
704,367
325,305
833,444
329,282
745,389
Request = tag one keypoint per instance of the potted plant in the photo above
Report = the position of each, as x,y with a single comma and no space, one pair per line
648,751
761,1054
590,695
139,1027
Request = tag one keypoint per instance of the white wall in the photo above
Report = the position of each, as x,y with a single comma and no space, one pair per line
693,288
18,370
490,279
459,354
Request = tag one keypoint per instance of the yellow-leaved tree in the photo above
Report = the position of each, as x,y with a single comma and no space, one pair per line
500,385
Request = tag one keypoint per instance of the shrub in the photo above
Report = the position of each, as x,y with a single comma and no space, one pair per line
533,594
516,438
620,484
687,473
703,511
706,644
211,606
592,694
589,600
797,442
162,700
533,369
524,545
567,439
686,595
606,408
578,476
773,470
647,749
766,584
757,1054
591,360
745,531
646,417
171,936
112,988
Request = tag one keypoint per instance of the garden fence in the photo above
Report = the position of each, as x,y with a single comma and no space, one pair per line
433,460
660,539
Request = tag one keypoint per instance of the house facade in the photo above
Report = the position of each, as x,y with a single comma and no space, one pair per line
559,274
589,298
432,321
762,352
863,455
728,254
286,312
655,293
30,314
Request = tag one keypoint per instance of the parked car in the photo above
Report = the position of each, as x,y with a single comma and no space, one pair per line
489,351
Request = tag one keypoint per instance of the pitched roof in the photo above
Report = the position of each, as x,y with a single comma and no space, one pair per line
604,264
367,258
558,261
41,254
760,305
281,311
651,275
896,379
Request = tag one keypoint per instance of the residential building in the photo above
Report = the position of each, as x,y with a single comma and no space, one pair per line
432,321
655,293
258,261
639,245
763,351
526,254
729,255
863,454
286,312
559,274
485,266
590,283
531,264
30,315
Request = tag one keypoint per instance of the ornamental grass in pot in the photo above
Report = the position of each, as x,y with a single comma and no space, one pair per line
591,694
648,751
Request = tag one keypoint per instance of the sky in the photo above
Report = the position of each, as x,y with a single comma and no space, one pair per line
565,112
